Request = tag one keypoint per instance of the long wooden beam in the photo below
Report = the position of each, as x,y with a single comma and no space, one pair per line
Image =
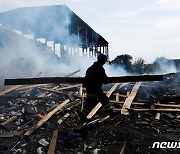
108,94
145,110
130,98
9,120
156,104
44,80
9,90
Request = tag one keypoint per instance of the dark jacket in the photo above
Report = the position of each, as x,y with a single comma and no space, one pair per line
95,77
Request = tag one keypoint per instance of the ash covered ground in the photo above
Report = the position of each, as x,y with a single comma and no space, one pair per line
133,133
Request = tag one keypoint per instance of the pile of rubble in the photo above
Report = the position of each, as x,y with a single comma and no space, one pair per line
43,118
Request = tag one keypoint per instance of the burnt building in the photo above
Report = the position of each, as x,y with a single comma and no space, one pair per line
56,24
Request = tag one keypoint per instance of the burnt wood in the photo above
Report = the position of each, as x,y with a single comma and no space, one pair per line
44,80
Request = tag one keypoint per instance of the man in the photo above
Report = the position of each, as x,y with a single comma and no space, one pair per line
95,77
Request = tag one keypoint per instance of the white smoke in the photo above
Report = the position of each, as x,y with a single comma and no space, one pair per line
165,66
21,57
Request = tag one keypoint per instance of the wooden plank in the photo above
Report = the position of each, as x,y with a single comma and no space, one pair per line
138,103
39,85
168,105
53,142
108,94
69,87
11,134
98,106
47,117
9,89
94,110
145,110
121,95
9,120
104,119
63,118
159,110
121,102
44,80
122,151
130,98
52,90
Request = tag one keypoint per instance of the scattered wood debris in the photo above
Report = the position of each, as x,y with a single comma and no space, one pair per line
31,113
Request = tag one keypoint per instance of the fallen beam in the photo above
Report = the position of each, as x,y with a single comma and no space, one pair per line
46,117
44,80
69,87
94,110
11,134
122,151
145,110
53,142
108,94
159,110
156,104
9,120
98,106
9,90
14,87
130,98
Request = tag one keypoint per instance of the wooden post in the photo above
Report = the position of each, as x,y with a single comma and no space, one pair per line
117,97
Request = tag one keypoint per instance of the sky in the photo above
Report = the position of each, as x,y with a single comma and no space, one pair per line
140,28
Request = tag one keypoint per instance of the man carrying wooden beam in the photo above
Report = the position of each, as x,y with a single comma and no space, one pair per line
94,78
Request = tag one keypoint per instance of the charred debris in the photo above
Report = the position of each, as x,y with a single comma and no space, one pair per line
43,118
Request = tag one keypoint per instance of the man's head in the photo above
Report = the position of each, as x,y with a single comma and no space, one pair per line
102,59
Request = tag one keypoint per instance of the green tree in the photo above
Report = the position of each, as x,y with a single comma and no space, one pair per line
123,60
138,66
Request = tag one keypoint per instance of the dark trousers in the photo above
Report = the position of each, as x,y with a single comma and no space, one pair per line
92,101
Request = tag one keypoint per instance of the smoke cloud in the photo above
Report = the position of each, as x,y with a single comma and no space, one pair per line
21,57
165,66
